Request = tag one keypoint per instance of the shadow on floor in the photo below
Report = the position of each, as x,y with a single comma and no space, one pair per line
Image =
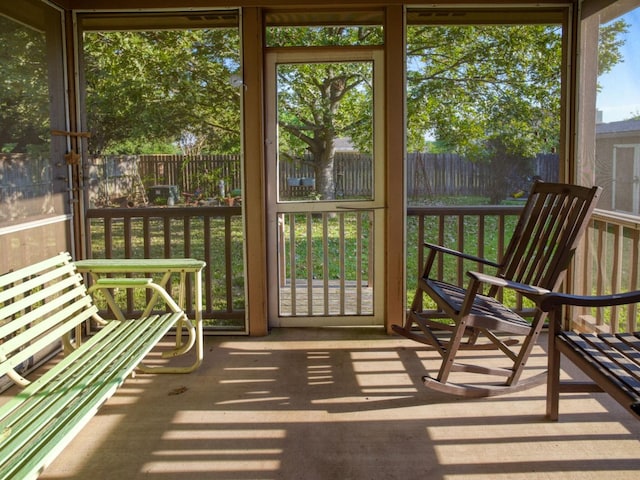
340,404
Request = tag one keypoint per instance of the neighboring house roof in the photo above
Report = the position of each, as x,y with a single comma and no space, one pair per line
627,127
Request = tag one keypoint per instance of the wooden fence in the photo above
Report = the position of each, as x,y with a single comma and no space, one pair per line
427,174
433,174
191,171
353,174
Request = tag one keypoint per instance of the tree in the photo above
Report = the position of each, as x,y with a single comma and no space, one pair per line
319,103
490,92
611,40
24,97
155,87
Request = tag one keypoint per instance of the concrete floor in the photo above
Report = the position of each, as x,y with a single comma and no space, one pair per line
341,404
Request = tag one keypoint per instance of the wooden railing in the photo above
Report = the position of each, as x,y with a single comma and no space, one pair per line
212,234
481,230
608,262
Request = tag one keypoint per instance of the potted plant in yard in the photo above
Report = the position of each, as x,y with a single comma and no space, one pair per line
232,197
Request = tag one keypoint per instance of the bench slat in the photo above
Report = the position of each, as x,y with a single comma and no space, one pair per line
118,281
60,293
603,364
73,407
39,343
63,319
631,345
69,363
29,285
35,269
616,351
43,315
95,352
62,392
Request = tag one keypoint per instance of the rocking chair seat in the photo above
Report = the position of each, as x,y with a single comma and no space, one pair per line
486,312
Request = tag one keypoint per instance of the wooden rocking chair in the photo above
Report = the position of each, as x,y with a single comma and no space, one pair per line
535,262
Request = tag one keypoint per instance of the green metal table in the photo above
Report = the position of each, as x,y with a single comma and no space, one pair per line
99,267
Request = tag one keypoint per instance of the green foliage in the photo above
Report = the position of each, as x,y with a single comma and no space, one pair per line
324,36
24,97
148,88
321,101
635,116
208,180
611,40
490,93
485,87
134,146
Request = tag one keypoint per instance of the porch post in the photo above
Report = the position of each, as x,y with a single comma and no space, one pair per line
395,214
254,176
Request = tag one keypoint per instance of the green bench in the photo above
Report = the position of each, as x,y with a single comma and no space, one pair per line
47,304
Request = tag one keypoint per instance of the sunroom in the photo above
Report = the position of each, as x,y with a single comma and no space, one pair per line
172,129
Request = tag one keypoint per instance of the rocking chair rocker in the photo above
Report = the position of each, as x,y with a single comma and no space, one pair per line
549,229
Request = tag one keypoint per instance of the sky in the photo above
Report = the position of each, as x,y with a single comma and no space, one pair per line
619,98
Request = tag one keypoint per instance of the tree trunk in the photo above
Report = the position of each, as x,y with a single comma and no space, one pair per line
325,182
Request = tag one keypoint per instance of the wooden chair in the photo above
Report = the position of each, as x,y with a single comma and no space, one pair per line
535,262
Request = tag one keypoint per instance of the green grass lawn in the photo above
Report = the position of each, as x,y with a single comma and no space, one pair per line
203,241
342,239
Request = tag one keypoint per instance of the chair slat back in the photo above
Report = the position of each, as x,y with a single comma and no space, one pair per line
39,304
548,232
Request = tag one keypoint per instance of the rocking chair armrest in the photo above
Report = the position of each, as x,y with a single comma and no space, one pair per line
523,288
552,300
456,253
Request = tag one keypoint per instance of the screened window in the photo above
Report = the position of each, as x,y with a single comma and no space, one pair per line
324,29
484,121
162,100
32,171
617,129
483,96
